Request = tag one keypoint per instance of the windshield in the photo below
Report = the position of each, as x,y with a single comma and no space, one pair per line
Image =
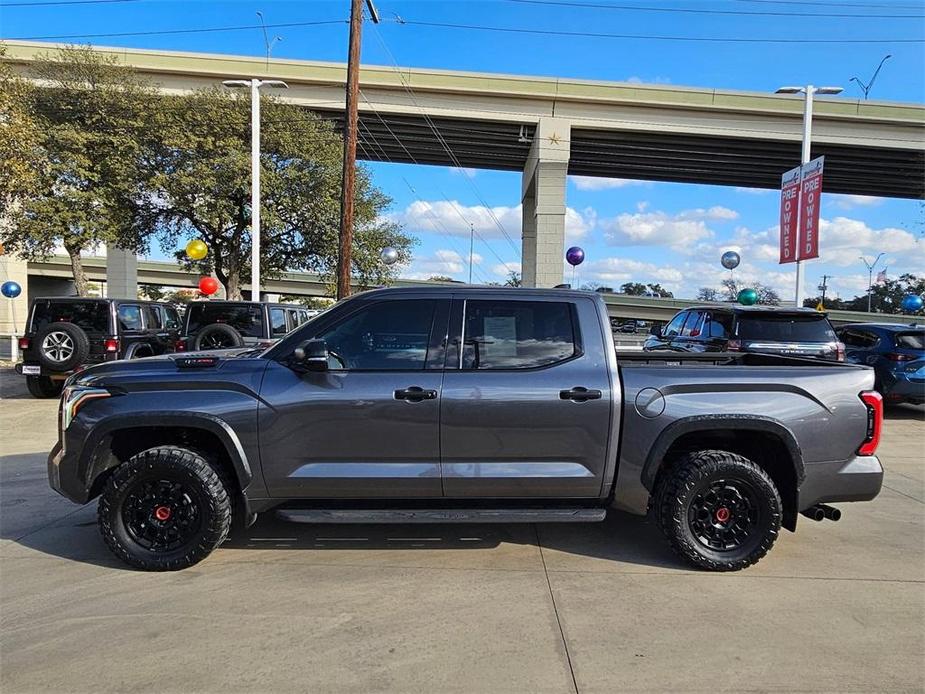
245,318
785,328
91,316
911,340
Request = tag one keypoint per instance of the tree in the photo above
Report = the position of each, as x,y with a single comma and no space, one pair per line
440,278
21,156
633,288
198,185
887,296
658,290
513,279
708,294
89,116
767,296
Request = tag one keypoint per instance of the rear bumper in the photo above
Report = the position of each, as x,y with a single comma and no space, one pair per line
858,479
903,388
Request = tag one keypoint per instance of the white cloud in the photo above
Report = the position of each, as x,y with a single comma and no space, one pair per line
463,171
850,202
452,217
442,262
598,183
755,191
503,269
655,80
679,231
616,271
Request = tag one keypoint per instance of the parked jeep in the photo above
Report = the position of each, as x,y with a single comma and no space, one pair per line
215,324
64,335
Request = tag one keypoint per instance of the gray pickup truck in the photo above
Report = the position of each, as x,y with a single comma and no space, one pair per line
463,404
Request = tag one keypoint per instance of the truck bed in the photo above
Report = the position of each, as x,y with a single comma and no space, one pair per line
639,358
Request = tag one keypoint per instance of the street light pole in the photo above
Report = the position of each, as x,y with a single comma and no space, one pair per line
254,85
808,91
870,275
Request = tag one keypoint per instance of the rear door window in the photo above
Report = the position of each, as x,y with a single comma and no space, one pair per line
278,322
172,318
693,326
719,325
90,316
862,339
153,317
785,328
130,317
517,334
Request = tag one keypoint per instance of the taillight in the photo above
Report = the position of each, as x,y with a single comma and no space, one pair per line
179,346
24,343
895,356
734,345
874,404
839,351
111,345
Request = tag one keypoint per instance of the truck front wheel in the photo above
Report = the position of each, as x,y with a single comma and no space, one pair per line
164,509
719,510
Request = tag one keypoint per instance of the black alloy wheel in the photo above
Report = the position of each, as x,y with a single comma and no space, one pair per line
718,510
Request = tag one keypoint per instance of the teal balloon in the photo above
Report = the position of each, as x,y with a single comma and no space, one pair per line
748,297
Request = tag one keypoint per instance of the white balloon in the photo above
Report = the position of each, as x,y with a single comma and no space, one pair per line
389,255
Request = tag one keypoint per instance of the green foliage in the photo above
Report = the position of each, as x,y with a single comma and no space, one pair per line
886,297
767,296
198,185
640,289
85,130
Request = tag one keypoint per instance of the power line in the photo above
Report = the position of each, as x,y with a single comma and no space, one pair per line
648,37
4,5
203,30
833,4
690,10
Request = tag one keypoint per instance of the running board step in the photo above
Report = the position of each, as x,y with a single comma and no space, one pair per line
514,515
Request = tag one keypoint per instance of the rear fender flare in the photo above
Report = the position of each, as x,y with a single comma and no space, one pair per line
687,425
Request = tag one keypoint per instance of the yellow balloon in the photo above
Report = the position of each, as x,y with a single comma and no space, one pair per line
197,250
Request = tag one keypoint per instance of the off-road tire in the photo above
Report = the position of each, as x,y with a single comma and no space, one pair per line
176,466
694,475
79,345
43,387
225,334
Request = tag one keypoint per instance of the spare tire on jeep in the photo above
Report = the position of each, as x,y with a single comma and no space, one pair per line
218,336
62,346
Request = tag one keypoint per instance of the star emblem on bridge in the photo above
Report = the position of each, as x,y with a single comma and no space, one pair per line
554,139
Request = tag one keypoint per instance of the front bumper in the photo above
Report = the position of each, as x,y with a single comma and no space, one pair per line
67,473
857,479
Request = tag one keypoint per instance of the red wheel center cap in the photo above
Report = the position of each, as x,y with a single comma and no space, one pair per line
722,514
162,513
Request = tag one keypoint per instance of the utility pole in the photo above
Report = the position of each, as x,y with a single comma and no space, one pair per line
808,91
471,246
348,177
870,275
823,287
254,85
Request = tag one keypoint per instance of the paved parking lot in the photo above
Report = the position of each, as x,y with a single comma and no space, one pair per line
837,607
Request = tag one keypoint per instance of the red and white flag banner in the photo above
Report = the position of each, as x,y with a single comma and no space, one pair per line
810,196
789,204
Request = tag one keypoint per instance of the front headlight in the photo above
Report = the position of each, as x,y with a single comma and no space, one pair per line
74,397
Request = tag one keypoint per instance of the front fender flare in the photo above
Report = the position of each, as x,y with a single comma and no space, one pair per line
720,422
93,465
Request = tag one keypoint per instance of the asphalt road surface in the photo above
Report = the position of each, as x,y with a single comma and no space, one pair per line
836,607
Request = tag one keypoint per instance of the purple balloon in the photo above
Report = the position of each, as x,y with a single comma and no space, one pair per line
575,256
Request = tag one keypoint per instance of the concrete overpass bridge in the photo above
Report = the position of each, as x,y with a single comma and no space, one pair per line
49,277
551,127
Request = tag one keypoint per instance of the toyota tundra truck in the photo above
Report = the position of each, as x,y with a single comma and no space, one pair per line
464,404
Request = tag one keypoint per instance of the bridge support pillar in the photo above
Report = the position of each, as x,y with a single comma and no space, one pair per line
121,273
543,201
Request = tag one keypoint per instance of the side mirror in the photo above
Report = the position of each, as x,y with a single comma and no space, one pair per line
656,331
312,355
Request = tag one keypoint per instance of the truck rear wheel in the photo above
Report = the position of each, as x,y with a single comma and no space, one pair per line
720,511
164,509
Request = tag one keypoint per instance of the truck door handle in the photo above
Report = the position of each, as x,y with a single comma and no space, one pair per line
579,394
415,394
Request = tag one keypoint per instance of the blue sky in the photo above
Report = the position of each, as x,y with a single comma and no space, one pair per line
663,232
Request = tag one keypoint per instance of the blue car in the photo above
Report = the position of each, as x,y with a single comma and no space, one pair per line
897,353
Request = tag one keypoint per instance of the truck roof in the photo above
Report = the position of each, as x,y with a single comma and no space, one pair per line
460,288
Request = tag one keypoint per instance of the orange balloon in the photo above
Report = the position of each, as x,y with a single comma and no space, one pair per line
208,285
